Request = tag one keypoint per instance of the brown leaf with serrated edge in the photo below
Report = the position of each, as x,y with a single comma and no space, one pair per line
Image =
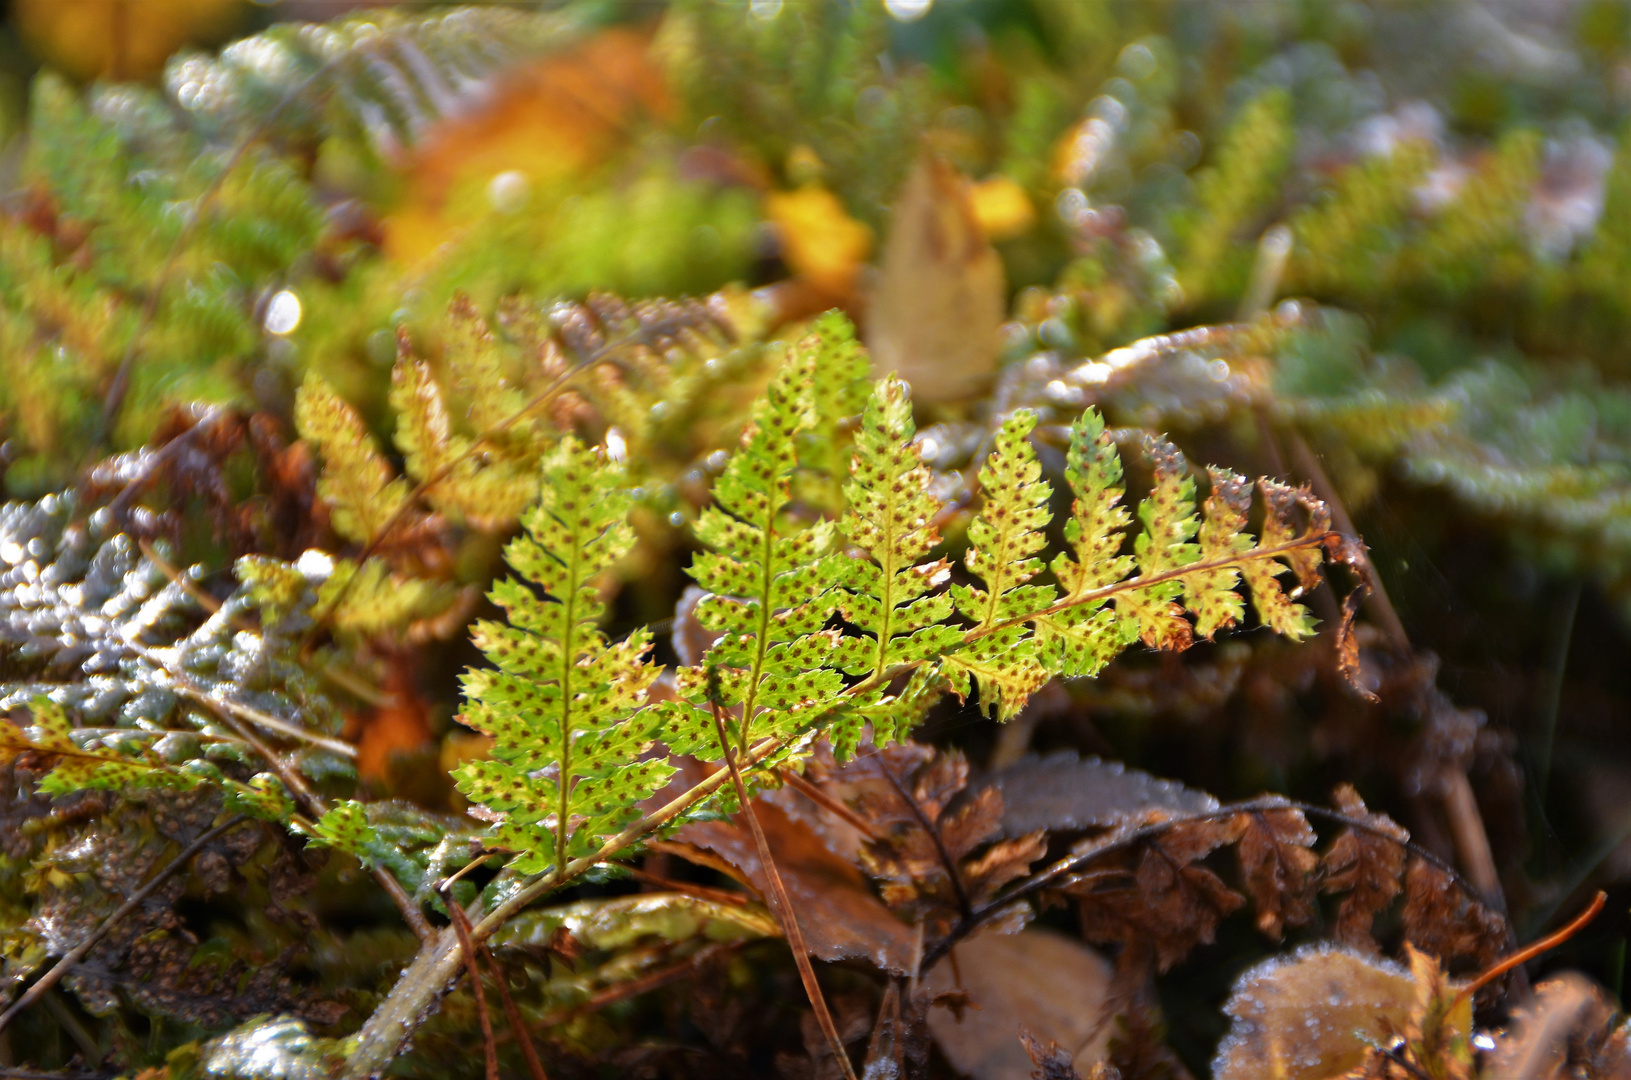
1441,918
1365,864
840,917
1162,896
923,828
1278,866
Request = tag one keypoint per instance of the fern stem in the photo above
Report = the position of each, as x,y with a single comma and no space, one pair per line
1255,554
781,903
414,996
77,953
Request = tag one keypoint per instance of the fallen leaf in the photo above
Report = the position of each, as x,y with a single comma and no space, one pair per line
543,123
936,314
836,909
1038,982
1311,1016
821,243
1062,791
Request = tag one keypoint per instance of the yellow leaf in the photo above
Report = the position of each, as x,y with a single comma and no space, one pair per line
820,241
1002,208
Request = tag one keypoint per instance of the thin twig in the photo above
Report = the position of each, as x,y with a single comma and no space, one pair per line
182,683
701,892
833,806
77,953
512,1015
1529,952
781,903
461,926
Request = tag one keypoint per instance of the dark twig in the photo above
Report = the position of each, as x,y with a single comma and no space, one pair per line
462,926
781,904
77,953
511,1014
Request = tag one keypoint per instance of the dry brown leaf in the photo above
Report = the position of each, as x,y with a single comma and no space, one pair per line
1163,897
1442,919
1036,981
840,917
936,313
1063,791
1309,1016
1278,866
1366,866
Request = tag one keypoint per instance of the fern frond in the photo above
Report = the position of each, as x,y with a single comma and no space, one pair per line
1081,639
769,580
478,375
891,598
562,705
389,76
1274,607
1168,516
1004,541
359,485
487,492
842,384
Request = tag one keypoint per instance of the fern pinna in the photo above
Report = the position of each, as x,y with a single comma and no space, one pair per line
855,639
561,706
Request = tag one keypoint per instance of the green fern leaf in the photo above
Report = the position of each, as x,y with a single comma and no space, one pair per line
1081,639
563,706
1211,594
841,385
769,582
1004,541
1168,515
1274,607
488,493
357,482
890,597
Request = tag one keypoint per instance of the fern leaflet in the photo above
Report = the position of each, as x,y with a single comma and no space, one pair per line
769,579
562,705
890,598
1005,540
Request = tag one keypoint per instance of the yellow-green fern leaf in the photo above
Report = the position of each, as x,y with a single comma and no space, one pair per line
1168,516
890,596
359,485
1274,607
768,578
1004,541
563,705
1081,639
